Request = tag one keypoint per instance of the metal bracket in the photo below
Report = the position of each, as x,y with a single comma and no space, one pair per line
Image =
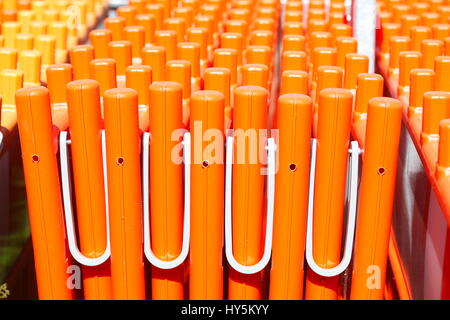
67,202
155,261
352,200
271,148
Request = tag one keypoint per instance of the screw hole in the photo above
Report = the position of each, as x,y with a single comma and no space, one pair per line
381,171
35,158
120,161
292,167
205,164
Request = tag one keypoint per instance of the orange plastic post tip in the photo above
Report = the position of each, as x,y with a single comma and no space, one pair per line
120,51
155,57
294,82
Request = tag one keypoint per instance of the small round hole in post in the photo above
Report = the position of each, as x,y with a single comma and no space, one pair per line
381,171
35,158
292,167
120,161
205,164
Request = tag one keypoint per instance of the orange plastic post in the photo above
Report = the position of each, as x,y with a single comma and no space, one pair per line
408,21
139,78
259,55
166,193
294,82
430,18
408,60
30,63
370,85
46,45
218,79
440,31
261,38
116,25
293,28
435,109
291,196
442,68
185,13
443,163
85,123
376,198
178,25
155,57
227,58
124,193
237,26
139,5
128,13
319,39
322,56
136,36
207,206
250,113
157,10
340,30
200,36
43,193
58,76
80,58
293,60
354,64
99,39
388,30
8,58
422,80
418,34
327,77
180,71
255,75
234,41
447,46
333,136
168,40
293,43
430,50
208,23
120,51
23,41
397,44
104,72
190,51
345,45
293,16
148,22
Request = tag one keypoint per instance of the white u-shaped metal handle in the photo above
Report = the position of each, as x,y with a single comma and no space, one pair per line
155,261
67,202
271,148
352,195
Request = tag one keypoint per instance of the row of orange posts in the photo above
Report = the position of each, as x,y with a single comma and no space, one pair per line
414,57
36,34
177,114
